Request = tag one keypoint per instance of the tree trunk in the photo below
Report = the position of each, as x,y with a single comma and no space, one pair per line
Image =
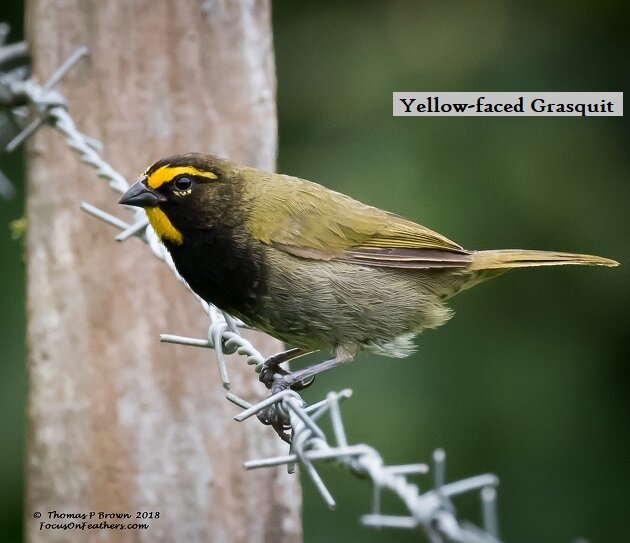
118,422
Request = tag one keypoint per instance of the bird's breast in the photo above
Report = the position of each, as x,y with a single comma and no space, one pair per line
222,268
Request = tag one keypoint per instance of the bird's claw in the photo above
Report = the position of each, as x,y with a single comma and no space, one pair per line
275,417
280,379
301,385
277,379
270,373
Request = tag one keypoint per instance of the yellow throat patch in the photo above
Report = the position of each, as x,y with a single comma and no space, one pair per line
162,226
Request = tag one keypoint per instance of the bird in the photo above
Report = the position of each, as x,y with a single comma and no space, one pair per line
312,267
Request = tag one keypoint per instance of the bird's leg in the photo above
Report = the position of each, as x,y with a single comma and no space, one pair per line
282,379
271,375
297,379
271,366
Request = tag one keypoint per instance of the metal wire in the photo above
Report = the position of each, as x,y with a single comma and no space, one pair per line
431,511
13,67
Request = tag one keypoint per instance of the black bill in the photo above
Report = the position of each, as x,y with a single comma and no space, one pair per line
140,195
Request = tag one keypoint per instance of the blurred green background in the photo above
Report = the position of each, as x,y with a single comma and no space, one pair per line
529,381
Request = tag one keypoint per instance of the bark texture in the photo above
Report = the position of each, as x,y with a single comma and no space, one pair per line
119,422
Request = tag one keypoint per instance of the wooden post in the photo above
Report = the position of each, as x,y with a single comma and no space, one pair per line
118,422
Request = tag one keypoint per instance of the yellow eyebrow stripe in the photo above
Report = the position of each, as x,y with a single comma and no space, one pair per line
166,173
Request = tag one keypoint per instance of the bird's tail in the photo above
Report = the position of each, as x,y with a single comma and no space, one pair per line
504,259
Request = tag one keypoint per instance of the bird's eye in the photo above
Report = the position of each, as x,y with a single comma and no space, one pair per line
183,183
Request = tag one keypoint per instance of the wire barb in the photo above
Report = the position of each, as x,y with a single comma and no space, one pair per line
294,420
14,70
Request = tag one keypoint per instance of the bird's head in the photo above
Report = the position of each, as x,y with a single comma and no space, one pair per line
186,193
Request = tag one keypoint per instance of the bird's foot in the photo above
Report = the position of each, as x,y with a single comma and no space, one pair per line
276,378
275,417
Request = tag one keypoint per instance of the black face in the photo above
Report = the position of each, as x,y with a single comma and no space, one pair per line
194,203
195,192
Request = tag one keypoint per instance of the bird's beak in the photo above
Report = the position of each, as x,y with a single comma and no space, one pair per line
140,195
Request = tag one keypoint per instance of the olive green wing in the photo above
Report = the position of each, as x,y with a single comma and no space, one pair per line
310,221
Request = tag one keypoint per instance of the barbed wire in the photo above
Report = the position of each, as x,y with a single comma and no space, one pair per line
13,67
431,511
